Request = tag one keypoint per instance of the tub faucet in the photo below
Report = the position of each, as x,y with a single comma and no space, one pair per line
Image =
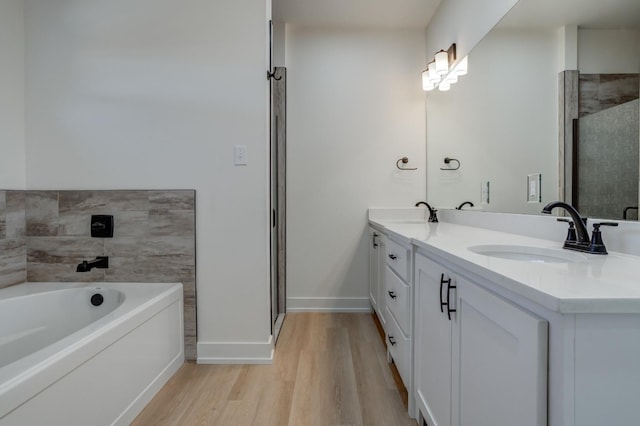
98,262
433,216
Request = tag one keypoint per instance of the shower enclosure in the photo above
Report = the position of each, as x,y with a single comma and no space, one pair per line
278,166
608,162
599,143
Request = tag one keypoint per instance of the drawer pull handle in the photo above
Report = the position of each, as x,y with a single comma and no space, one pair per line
375,243
442,302
393,342
392,294
393,257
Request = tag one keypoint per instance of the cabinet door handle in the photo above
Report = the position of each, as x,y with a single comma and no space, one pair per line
393,257
393,342
375,243
449,310
442,302
392,294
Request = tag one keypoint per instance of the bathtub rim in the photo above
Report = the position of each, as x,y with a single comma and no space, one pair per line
63,356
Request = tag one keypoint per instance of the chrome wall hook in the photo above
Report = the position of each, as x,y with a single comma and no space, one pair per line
404,160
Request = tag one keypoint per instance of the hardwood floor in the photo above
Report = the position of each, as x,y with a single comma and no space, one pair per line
328,369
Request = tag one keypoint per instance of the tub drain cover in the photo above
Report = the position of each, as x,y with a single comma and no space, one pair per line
97,299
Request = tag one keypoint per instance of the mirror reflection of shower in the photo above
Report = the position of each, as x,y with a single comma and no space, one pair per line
607,140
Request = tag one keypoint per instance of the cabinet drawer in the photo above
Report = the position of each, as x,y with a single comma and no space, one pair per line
397,297
399,347
397,258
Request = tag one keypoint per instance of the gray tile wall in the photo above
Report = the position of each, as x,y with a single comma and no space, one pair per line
601,91
45,234
13,247
608,161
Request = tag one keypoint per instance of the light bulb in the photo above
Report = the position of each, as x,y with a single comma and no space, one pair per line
442,62
433,75
426,83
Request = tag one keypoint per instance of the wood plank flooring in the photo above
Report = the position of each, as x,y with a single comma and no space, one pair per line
328,369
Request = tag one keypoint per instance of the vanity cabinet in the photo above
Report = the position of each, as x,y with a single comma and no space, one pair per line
398,300
377,265
479,359
433,343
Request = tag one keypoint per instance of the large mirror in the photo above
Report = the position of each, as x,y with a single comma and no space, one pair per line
548,111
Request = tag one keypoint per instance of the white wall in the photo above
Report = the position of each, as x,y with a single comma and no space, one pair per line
464,22
12,141
500,121
154,94
608,51
355,106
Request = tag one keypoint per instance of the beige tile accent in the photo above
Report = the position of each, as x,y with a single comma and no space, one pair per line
96,202
15,214
42,213
171,222
172,200
3,214
13,259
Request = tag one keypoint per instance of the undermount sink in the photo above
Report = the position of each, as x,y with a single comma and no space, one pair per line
528,253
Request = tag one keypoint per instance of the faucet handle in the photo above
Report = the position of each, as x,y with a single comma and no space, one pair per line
571,234
597,225
597,246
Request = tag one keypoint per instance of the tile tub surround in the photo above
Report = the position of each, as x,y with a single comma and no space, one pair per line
13,247
154,240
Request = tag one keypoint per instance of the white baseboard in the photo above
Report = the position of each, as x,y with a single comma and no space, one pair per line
328,304
235,352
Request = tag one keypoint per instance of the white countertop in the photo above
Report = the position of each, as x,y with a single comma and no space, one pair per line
599,284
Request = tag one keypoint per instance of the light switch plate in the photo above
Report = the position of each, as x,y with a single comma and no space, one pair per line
485,192
534,183
240,155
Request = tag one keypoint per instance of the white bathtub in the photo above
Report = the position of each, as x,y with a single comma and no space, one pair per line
64,361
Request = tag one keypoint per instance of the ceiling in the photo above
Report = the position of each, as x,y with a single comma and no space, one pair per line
356,13
593,14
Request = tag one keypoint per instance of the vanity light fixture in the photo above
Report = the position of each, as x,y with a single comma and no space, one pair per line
442,61
439,73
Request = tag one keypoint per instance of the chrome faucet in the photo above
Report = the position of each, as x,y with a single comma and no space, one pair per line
581,242
433,216
98,262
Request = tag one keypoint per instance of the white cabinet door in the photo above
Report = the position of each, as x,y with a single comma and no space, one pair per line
433,333
500,361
